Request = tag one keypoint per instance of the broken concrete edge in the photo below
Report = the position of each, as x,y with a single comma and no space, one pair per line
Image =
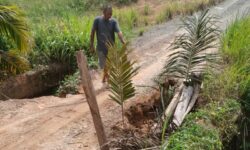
33,83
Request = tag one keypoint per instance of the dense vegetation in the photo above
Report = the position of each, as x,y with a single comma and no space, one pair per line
14,32
236,53
227,92
61,27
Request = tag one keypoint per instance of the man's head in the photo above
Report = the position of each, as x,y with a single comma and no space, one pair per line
107,12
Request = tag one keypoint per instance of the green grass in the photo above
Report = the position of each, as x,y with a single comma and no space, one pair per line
128,20
42,9
61,27
57,40
236,40
236,53
180,7
207,128
233,81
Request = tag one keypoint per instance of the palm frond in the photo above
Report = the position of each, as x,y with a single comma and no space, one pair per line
121,72
190,48
13,24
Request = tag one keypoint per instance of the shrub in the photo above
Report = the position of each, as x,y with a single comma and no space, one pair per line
60,39
69,85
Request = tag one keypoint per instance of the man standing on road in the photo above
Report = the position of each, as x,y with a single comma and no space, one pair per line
104,27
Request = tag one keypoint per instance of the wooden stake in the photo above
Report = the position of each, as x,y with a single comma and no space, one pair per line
91,99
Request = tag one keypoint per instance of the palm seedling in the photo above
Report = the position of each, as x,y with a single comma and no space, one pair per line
190,55
121,72
190,59
13,25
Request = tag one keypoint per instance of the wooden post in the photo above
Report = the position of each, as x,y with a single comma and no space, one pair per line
91,99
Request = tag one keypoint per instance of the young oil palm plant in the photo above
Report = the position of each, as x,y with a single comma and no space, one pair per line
190,54
189,60
13,25
121,72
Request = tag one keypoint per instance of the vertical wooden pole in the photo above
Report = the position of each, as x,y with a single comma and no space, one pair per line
91,99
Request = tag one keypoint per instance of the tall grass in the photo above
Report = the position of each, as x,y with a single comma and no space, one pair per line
59,26
57,40
236,41
234,79
44,9
236,51
128,20
180,7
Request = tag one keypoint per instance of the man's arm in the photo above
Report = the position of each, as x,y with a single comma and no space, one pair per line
121,37
118,31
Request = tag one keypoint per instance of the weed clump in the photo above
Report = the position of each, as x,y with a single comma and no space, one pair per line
70,85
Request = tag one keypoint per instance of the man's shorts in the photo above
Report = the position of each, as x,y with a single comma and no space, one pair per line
102,59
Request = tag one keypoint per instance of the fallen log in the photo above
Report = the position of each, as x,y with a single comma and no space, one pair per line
171,107
182,114
193,100
182,104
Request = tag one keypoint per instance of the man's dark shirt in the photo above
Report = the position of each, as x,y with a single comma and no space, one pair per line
105,32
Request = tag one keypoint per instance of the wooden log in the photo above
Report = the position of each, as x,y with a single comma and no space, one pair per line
91,99
182,105
193,100
171,107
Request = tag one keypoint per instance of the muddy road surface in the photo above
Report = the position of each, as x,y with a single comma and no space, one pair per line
52,123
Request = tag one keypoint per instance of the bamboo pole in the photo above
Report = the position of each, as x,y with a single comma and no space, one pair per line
91,99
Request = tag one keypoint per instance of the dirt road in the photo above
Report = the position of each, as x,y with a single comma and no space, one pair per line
52,123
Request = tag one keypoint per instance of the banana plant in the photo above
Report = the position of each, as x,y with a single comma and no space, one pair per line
121,72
